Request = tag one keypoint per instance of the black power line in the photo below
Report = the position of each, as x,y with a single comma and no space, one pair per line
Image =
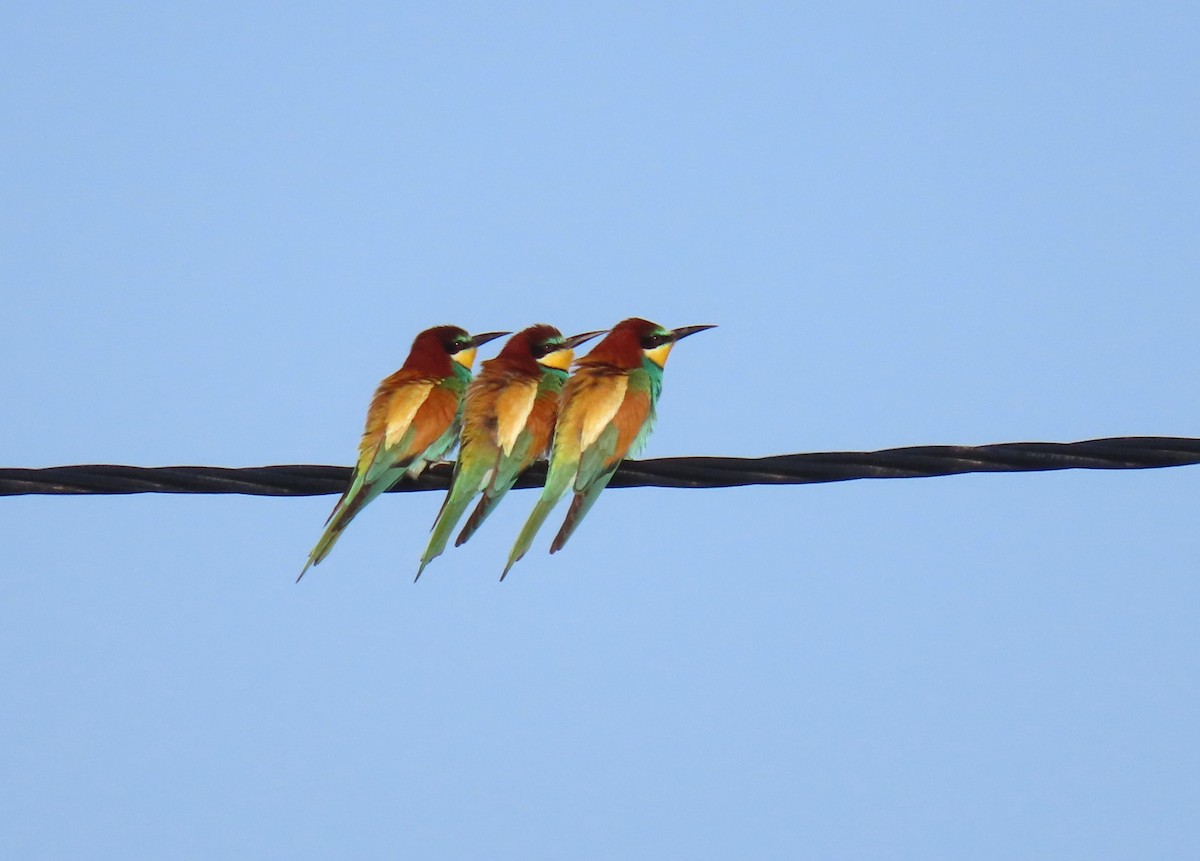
913,462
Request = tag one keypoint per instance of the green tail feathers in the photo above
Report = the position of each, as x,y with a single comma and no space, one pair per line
356,496
447,520
556,485
580,505
540,512
462,491
491,498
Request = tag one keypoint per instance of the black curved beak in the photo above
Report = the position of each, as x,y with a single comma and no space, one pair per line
480,340
683,331
575,340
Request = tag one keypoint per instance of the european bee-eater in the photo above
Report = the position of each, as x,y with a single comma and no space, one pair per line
508,421
606,414
413,420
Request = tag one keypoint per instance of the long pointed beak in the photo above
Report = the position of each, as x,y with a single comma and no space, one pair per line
575,340
683,331
480,340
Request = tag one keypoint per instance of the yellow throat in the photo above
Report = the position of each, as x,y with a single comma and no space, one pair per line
466,357
658,355
560,359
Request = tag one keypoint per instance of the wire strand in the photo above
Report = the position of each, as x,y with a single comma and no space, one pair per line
696,472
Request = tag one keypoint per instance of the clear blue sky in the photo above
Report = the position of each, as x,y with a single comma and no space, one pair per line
961,223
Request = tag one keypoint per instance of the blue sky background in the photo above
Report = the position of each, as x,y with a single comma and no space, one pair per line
222,225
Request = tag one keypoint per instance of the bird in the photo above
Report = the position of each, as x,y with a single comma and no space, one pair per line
508,421
606,414
413,421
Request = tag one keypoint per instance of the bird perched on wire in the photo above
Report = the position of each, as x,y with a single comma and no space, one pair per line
413,421
508,420
606,414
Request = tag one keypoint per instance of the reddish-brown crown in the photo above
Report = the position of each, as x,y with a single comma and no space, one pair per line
622,346
518,354
432,349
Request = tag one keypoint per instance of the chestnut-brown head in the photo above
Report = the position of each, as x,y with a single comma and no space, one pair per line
540,346
435,349
635,339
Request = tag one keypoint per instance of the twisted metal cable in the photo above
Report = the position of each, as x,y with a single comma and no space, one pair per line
912,462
